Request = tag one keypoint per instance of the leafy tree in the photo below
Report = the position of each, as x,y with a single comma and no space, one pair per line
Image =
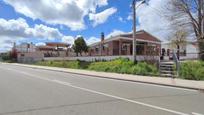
189,14
179,40
80,46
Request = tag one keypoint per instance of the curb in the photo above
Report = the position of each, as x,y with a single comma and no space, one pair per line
104,77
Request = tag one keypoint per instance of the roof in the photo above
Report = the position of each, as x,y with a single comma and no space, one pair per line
56,44
46,48
141,35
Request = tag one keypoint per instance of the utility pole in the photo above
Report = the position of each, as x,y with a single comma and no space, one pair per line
134,46
134,32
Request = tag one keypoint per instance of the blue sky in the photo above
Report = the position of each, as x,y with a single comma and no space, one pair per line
63,20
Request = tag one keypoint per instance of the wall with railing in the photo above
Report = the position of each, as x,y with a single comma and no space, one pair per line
101,58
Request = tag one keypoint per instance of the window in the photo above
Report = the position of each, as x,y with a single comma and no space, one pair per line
96,49
105,46
22,55
125,46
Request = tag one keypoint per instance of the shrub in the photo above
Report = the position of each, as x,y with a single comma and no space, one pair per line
142,68
125,66
192,70
120,65
64,64
7,58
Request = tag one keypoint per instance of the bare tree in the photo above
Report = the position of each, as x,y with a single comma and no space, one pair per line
178,40
189,14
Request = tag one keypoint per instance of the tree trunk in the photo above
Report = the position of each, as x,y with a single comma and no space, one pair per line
201,49
178,52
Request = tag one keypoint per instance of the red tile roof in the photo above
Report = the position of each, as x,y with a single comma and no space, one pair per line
56,44
142,35
47,48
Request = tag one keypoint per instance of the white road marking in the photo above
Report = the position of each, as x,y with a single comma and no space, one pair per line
61,82
194,113
104,94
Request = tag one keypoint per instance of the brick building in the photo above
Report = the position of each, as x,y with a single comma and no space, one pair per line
147,44
54,49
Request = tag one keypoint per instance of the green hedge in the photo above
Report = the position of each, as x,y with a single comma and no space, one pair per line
118,66
64,64
125,66
192,70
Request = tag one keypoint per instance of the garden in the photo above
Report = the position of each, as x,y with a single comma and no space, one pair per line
190,70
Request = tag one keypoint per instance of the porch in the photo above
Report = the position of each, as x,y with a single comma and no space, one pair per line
123,47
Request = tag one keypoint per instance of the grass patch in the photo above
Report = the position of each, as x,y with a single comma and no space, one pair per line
121,65
125,66
65,64
192,70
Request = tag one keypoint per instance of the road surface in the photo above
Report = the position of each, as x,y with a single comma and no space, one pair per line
27,91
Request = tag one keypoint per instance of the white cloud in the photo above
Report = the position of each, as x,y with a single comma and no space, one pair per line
121,19
92,40
102,17
6,44
68,39
18,30
64,12
46,32
152,19
40,44
129,17
115,33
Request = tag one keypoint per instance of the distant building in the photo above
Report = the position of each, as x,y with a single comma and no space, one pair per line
188,51
25,47
54,49
148,48
26,53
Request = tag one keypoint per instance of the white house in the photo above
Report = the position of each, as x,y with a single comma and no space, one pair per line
188,51
25,47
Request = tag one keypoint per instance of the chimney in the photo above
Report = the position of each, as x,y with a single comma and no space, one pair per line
102,37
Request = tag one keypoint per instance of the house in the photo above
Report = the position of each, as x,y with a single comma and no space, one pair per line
121,45
29,52
26,53
54,49
188,51
25,47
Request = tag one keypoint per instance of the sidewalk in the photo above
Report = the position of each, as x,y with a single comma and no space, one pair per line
189,84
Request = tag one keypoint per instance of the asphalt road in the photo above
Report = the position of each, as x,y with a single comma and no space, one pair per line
27,91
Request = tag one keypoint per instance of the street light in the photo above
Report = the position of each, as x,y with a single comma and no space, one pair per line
134,28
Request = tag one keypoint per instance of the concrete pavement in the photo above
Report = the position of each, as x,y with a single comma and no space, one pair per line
28,91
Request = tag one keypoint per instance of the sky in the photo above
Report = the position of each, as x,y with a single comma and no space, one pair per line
40,21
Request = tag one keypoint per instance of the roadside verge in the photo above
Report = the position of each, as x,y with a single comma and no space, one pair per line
173,82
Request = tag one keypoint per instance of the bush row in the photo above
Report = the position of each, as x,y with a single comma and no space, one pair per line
192,70
125,66
118,66
64,64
